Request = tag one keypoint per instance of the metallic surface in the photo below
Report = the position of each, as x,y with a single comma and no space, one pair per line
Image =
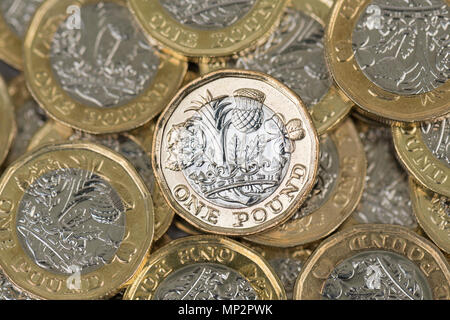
7,121
8,291
374,261
106,63
18,14
205,281
272,141
402,46
437,138
377,275
211,260
208,14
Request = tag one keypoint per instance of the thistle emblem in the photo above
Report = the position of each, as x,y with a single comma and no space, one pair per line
248,115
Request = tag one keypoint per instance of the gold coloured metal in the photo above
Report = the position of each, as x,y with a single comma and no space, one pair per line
206,249
53,132
7,121
181,40
10,46
59,105
433,213
42,283
372,100
293,189
389,238
419,161
340,204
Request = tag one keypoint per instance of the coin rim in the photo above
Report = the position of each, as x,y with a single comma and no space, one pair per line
10,46
7,122
391,107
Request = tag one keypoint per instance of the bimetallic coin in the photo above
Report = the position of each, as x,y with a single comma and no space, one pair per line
7,121
433,213
287,262
295,55
125,144
29,117
15,16
336,193
375,262
235,153
424,151
391,57
79,217
206,268
100,77
385,198
208,28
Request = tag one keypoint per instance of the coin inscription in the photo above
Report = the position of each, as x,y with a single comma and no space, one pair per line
294,54
233,151
18,14
106,63
376,275
402,45
437,138
207,14
70,220
205,281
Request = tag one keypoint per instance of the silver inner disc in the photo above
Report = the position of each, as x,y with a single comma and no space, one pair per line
205,281
70,220
437,138
403,45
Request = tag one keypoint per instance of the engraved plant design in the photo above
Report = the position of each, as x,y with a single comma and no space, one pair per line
374,277
295,55
205,282
71,217
437,138
234,150
402,45
207,14
440,212
106,63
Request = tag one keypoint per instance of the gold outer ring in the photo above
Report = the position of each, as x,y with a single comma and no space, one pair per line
431,214
46,90
206,249
53,132
7,121
288,206
10,46
132,253
181,40
419,161
397,239
340,204
334,107
372,100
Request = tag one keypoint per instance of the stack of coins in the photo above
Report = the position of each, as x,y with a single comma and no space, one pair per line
225,150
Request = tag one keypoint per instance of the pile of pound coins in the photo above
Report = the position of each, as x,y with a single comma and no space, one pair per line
225,150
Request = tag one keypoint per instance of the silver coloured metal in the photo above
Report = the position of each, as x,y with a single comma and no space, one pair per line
326,179
234,151
385,197
437,138
205,281
294,54
8,291
29,119
69,220
402,45
207,14
106,63
127,148
18,14
287,270
377,275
